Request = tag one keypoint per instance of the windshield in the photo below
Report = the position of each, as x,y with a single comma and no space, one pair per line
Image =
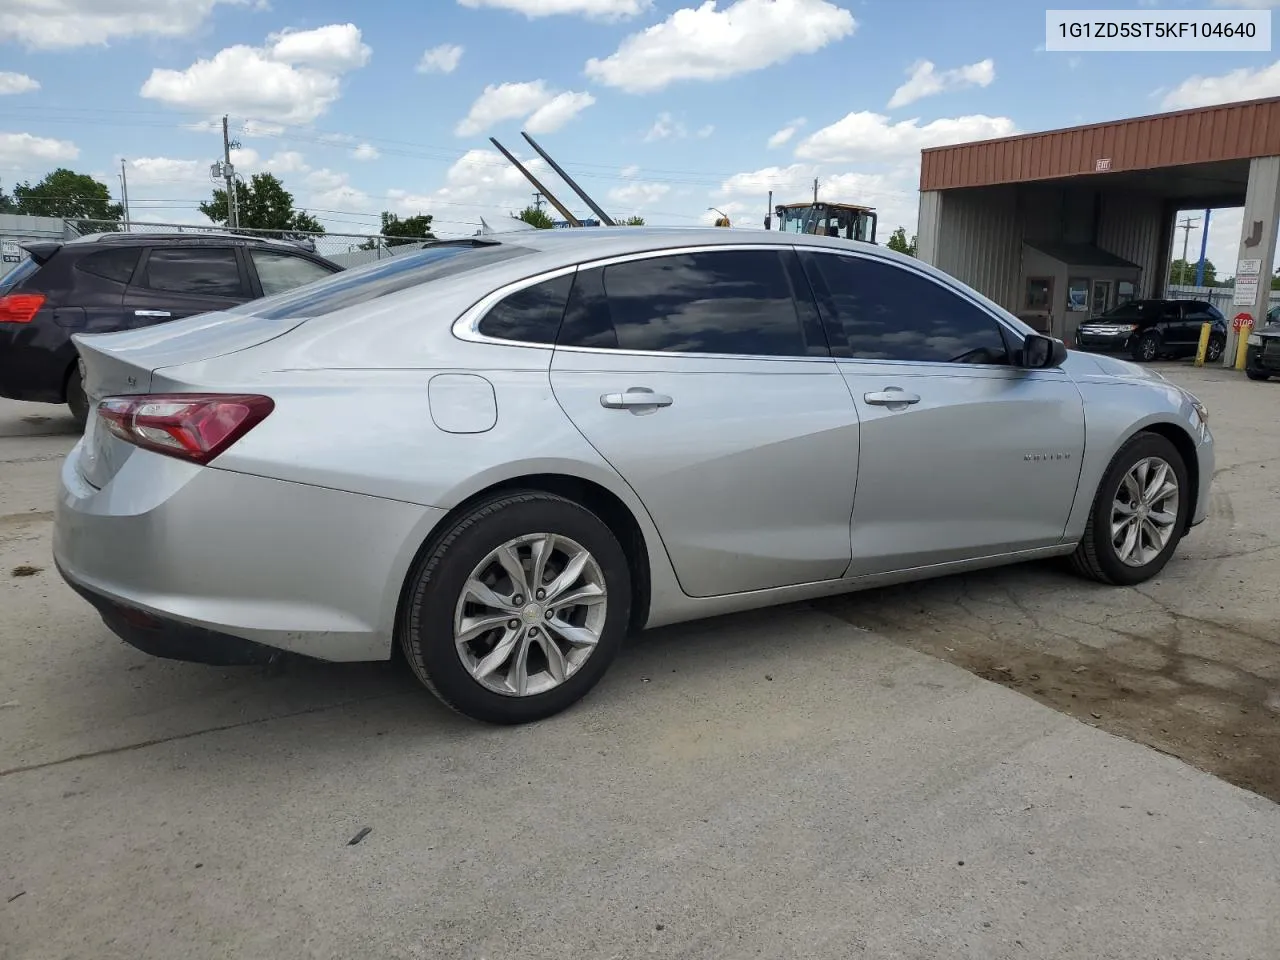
362,284
794,219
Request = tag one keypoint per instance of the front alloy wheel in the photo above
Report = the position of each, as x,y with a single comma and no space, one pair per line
1144,512
530,615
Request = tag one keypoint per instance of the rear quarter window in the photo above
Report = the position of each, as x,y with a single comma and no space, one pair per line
114,265
15,277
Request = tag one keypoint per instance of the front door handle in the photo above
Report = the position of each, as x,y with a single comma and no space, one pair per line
639,399
891,397
152,313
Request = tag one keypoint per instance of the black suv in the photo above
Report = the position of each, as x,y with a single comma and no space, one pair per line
118,281
1148,329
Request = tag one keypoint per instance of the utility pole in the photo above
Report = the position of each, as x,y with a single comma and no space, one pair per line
124,194
815,190
233,213
1204,246
537,200
1185,226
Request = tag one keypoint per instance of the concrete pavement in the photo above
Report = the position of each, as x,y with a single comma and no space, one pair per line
780,784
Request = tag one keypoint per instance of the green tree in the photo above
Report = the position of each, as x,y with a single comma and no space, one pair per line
6,203
263,204
633,222
397,231
536,217
1183,272
72,196
898,241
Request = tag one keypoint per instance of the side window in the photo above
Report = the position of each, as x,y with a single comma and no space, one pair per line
194,271
278,272
738,302
531,315
878,311
116,265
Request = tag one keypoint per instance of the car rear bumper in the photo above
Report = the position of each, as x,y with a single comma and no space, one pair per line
35,359
196,563
1262,359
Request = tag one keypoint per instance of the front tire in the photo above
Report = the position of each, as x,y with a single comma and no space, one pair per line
1214,351
1257,375
1139,514
518,610
1147,348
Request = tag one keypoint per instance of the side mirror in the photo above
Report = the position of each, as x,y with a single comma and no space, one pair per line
1041,353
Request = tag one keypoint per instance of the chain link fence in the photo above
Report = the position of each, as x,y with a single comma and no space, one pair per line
345,249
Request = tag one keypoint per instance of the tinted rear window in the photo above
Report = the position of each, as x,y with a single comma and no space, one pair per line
14,277
362,284
114,265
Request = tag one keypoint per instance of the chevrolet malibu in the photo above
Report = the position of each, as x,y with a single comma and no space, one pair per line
505,455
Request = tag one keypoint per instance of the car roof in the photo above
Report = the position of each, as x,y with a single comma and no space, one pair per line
185,238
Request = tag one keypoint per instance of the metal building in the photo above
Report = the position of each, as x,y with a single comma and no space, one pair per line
1060,225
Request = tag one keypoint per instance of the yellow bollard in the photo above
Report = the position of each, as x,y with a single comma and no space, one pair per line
1242,345
1205,329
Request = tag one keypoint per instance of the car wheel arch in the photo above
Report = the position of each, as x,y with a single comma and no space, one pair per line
1182,440
599,499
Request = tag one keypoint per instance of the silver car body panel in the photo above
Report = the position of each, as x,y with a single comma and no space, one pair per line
777,483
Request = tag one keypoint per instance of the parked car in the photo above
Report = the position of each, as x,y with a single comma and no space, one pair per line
1149,329
1262,351
503,455
119,281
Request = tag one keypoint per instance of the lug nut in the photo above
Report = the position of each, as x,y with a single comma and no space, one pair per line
541,594
550,614
513,624
517,599
533,631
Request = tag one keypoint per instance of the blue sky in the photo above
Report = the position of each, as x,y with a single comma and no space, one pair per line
661,107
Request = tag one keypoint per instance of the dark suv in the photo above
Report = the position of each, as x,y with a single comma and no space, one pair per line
117,281
1148,329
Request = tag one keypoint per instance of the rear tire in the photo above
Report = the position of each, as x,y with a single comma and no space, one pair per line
76,398
1147,348
1214,351
525,680
1101,555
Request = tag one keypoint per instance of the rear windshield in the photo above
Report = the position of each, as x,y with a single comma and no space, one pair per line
362,284
13,279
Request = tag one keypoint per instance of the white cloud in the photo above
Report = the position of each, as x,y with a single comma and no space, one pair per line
287,161
366,151
704,132
707,43
593,9
544,109
257,128
665,127
63,24
558,111
167,170
18,150
1242,84
442,59
784,135
336,48
293,79
924,80
1245,5
480,180
637,195
332,190
871,136
16,83
629,171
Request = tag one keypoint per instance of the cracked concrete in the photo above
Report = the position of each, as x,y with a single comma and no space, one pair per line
777,784
1188,663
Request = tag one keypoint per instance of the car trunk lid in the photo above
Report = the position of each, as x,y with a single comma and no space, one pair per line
124,364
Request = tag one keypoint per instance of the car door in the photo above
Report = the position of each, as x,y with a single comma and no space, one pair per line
275,271
1197,315
961,454
704,377
175,281
1172,325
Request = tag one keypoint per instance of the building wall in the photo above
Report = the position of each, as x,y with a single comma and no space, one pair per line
20,228
977,235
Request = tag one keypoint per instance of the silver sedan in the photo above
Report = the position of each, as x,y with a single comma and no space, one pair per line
504,455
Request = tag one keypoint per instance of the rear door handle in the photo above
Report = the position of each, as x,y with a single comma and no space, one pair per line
890,397
635,397
152,313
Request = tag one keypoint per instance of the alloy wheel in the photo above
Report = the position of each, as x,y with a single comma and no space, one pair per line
530,614
1144,511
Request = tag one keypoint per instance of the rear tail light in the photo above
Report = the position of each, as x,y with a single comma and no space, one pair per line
190,426
20,307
